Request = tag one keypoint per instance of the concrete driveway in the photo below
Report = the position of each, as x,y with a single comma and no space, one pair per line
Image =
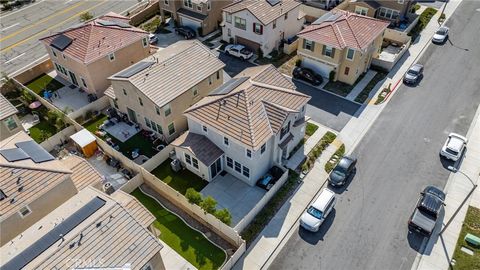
165,40
233,64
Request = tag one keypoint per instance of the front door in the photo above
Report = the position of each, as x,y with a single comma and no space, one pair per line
73,78
216,168
131,115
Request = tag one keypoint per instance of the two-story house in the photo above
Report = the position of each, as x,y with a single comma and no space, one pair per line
156,91
261,24
203,16
341,42
392,10
88,54
244,127
9,122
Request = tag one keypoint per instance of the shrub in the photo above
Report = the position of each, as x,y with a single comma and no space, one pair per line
193,196
224,216
209,205
442,17
274,53
340,152
200,31
86,16
331,76
298,62
231,41
416,7
260,53
425,17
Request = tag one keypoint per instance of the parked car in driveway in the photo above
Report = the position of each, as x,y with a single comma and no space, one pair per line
414,74
318,211
454,146
185,31
308,75
441,35
344,169
152,38
239,51
266,182
425,217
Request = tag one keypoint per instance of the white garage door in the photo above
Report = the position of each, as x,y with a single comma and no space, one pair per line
190,23
316,66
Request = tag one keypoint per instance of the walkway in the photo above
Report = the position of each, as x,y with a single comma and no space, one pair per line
361,85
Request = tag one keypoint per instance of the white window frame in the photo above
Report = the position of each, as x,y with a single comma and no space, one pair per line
185,155
188,4
205,129
147,122
195,164
157,110
10,120
228,17
195,91
240,25
243,172
226,141
167,110
144,42
329,51
24,208
353,55
259,31
309,45
199,8
361,10
111,57
248,151
232,162
235,166
168,127
54,53
274,24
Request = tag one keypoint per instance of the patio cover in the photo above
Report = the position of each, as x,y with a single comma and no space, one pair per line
85,141
200,146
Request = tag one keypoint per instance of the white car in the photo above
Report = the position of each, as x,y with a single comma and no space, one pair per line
318,211
441,35
239,51
152,38
454,146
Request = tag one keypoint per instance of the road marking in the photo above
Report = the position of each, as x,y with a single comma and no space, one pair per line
53,26
8,27
29,6
42,21
14,58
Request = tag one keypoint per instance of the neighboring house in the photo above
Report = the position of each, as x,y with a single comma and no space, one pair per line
33,183
244,127
392,10
88,54
10,124
314,9
89,231
323,4
203,14
341,42
261,24
156,91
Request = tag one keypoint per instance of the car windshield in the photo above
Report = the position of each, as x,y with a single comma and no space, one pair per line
315,212
340,170
412,72
245,51
450,151
441,31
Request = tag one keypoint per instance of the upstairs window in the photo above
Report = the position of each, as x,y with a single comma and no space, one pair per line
111,57
165,2
209,5
54,53
24,211
328,51
285,130
225,141
350,54
171,129
286,16
188,3
145,42
240,23
124,92
274,24
248,153
205,129
195,91
157,110
140,101
263,148
308,45
228,17
167,110
257,28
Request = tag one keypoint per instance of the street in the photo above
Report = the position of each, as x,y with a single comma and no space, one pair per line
397,158
20,30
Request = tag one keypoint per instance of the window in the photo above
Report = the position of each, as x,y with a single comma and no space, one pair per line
238,167
147,122
154,126
308,45
263,148
83,82
140,101
167,110
218,75
146,267
64,57
157,109
171,129
145,42
274,24
54,53
199,8
124,92
195,91
24,211
248,152
188,3
388,13
350,54
240,23
285,130
205,129
111,56
225,141
210,80
195,163
286,16
361,10
257,28
229,32
246,172
228,17
188,159
159,129
209,5
165,2
230,162
10,123
347,70
303,108
328,51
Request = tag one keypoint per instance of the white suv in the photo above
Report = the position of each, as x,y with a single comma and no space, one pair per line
318,211
454,146
239,51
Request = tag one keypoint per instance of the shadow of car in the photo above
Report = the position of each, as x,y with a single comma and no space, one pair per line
185,31
314,237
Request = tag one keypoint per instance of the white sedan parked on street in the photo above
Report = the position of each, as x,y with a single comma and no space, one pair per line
454,146
441,35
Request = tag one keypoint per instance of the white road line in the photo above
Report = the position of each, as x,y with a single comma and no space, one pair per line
14,58
8,27
31,5
68,1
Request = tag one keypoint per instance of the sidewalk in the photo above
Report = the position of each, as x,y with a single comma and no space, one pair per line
457,189
361,85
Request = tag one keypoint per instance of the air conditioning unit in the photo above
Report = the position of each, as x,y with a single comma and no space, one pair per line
176,165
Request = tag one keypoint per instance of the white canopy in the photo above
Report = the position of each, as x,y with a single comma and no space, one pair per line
83,138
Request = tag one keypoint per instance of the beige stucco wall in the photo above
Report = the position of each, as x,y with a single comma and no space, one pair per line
370,13
14,224
5,132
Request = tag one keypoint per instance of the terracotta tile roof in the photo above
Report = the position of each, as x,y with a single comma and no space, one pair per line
112,16
262,10
83,174
6,108
200,146
343,29
92,40
372,3
255,110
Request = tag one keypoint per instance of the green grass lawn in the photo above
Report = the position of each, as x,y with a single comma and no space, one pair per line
187,242
180,181
311,128
341,88
93,124
368,88
471,225
43,82
42,131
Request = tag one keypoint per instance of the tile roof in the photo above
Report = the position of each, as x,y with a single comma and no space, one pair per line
92,40
200,146
255,110
6,108
111,236
343,29
83,174
372,3
262,10
175,70
136,209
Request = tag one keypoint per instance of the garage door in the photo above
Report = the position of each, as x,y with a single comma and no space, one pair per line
250,44
316,66
190,23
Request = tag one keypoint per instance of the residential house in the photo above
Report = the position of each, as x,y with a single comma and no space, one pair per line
89,231
88,54
203,16
392,10
244,127
341,42
33,183
156,91
261,24
10,124
314,9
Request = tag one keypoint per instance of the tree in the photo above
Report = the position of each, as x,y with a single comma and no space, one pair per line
193,196
86,16
209,205
224,216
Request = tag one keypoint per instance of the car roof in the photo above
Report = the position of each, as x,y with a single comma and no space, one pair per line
455,143
325,196
345,162
416,67
431,203
443,28
435,191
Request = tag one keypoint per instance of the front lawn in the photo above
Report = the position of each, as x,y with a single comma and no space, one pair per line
189,243
42,131
471,225
43,82
366,91
341,88
180,181
311,128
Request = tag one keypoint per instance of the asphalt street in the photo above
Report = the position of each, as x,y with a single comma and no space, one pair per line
233,65
397,158
20,30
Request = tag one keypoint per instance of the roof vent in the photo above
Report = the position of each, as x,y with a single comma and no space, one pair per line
2,195
12,200
19,180
20,188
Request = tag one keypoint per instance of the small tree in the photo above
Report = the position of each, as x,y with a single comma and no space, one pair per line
298,62
224,216
209,205
193,196
86,16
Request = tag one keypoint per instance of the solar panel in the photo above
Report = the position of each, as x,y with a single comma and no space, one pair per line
106,23
123,25
14,154
274,2
228,86
61,42
134,69
327,17
54,235
35,151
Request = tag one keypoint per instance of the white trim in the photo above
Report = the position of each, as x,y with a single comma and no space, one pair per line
319,60
360,10
246,153
228,141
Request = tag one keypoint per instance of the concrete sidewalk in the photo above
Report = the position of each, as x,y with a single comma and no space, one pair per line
361,85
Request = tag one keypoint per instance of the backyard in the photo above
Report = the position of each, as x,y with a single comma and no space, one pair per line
42,131
180,181
471,225
189,243
43,82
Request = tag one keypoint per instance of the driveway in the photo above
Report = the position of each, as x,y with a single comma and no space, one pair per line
165,40
233,64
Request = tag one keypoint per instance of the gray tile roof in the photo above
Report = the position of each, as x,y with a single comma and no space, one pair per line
6,108
200,146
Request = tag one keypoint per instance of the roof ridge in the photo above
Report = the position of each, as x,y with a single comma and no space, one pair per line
26,167
351,29
215,99
278,88
279,106
249,103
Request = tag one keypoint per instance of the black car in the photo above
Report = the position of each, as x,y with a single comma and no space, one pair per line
427,211
342,171
185,31
266,182
307,75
